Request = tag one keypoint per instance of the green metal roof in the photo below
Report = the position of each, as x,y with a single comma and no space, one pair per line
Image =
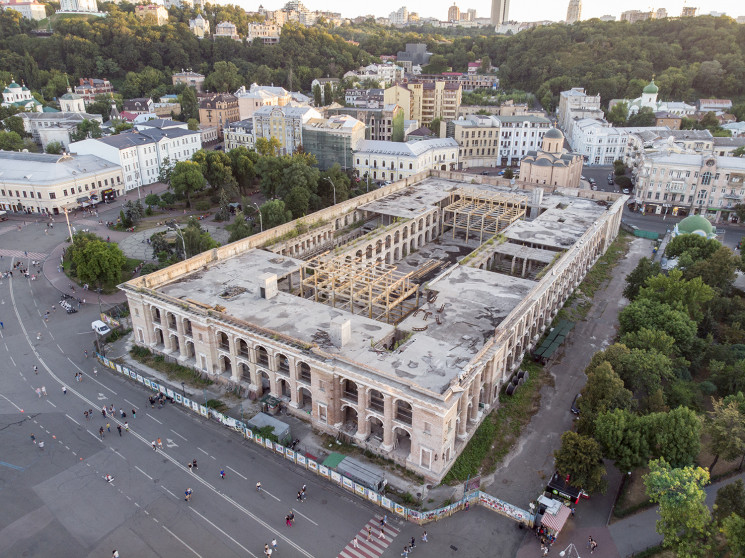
333,460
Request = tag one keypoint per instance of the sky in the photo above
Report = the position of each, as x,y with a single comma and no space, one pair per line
520,10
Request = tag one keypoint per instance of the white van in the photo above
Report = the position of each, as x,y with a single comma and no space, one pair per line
100,328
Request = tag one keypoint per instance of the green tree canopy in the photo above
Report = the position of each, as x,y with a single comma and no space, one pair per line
239,228
581,459
623,438
187,179
189,104
604,391
10,141
726,429
673,290
55,148
730,500
86,129
242,163
99,263
650,314
225,78
274,213
196,239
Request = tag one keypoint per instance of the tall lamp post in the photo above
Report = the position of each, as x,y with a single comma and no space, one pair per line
261,219
172,226
569,550
334,187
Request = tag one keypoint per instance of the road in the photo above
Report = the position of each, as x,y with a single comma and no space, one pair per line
62,506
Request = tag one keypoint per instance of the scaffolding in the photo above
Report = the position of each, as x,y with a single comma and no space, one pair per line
485,213
374,289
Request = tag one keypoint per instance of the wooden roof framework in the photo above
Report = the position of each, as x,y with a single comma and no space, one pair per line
485,213
374,289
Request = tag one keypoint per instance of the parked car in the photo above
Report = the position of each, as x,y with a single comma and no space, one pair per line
610,182
575,408
626,191
100,328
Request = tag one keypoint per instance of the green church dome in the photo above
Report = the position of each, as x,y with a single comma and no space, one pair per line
651,88
695,224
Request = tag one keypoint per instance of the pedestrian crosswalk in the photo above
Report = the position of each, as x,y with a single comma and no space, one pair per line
20,254
374,547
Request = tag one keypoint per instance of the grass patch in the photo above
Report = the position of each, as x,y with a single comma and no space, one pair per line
171,369
498,432
117,334
217,405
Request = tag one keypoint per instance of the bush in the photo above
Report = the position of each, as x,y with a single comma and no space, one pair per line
623,181
203,205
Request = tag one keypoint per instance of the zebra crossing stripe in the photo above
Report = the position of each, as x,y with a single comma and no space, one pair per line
373,548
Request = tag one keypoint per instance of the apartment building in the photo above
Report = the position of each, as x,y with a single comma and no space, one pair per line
520,134
218,110
269,33
240,134
577,104
333,140
391,161
190,79
383,124
478,139
157,13
284,123
257,96
434,99
89,88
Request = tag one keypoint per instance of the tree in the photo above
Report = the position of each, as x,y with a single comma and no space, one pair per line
55,148
270,171
10,141
224,78
739,152
99,263
485,67
297,201
581,460
435,126
267,147
730,500
341,182
215,167
192,124
165,171
317,95
189,104
690,248
676,436
122,126
242,164
239,228
604,391
618,114
651,314
673,290
134,211
653,339
298,174
645,117
186,179
152,200
273,214
645,269
733,528
15,124
623,437
726,430
328,93
718,270
196,239
684,516
86,129
509,174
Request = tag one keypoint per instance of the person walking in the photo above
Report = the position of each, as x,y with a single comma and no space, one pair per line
36,369
155,447
593,546
126,427
103,411
160,444
85,352
33,438
119,428
87,417
95,372
274,545
355,542
100,432
222,474
299,496
287,521
64,390
134,414
382,533
405,553
412,546
44,390
424,536
589,542
108,426
303,492
369,533
38,392
194,463
187,494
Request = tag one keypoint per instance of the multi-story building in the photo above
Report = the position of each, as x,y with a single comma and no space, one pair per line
89,88
200,27
283,123
399,17
714,105
48,127
218,110
49,184
641,142
391,161
668,120
322,82
691,183
19,96
411,360
574,11
576,104
30,10
552,164
138,105
190,79
453,13
257,96
227,30
140,153
415,54
384,74
521,134
597,141
364,98
398,95
725,147
87,6
154,12
383,124
333,140
688,11
434,99
634,16
269,33
500,12
478,139
240,133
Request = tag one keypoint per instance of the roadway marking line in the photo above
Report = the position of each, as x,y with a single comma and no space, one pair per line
99,383
128,498
75,454
144,511
143,472
16,406
204,452
224,533
50,333
13,361
156,521
179,435
155,419
136,504
52,404
92,434
270,494
60,348
169,492
236,472
68,449
305,516
213,458
182,542
133,405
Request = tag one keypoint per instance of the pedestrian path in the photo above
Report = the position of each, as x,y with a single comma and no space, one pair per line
22,255
375,546
7,229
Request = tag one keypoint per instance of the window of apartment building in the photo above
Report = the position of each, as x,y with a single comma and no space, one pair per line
657,195
24,194
702,194
427,428
649,195
706,178
52,195
322,412
716,176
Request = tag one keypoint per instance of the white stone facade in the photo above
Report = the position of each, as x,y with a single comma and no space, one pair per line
391,161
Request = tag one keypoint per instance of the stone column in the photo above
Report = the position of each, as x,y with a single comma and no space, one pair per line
181,338
387,423
463,416
363,426
334,401
235,374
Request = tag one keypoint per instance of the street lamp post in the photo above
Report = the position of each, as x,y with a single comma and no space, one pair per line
334,187
177,230
261,219
183,389
569,549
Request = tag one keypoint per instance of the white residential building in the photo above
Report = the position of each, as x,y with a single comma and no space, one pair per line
49,184
399,17
520,134
576,104
200,27
240,133
141,153
30,10
89,6
391,161
227,30
47,127
688,183
385,74
257,96
269,33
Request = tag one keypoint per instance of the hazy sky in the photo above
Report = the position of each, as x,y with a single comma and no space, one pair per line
520,10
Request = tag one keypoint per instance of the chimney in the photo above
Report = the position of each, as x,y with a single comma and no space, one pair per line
341,331
268,285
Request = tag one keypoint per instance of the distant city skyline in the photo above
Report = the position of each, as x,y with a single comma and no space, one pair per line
519,11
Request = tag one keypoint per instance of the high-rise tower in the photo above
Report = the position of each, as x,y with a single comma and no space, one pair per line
574,11
500,11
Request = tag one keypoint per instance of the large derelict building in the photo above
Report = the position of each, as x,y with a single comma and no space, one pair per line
393,318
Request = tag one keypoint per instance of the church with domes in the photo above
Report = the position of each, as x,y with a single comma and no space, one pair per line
20,96
649,100
552,165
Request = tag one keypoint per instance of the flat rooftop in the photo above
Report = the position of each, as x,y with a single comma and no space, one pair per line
469,305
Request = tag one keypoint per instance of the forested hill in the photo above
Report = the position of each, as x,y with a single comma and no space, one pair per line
690,57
